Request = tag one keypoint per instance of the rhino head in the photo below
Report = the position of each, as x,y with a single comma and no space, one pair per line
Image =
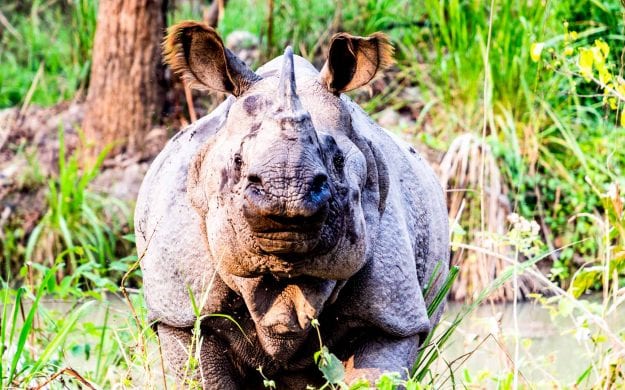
285,190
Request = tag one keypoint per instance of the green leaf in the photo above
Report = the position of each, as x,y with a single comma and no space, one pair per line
360,384
584,375
331,367
413,385
388,381
316,356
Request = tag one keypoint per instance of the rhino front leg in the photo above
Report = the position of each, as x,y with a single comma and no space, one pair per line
379,355
215,370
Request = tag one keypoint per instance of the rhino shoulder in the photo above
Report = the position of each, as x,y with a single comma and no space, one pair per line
169,240
410,244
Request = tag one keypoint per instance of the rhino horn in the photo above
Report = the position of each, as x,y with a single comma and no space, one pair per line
288,104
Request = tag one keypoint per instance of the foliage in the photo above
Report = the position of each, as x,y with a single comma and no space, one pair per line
596,87
292,22
23,365
549,130
609,271
46,51
38,337
76,216
81,234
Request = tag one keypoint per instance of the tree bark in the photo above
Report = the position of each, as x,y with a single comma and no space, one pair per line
126,89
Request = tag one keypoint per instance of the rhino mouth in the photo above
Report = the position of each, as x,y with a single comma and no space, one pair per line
288,235
289,244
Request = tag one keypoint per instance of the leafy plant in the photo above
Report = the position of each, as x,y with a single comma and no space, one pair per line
16,336
81,229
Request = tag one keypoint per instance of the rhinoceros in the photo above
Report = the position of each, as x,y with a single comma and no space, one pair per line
285,207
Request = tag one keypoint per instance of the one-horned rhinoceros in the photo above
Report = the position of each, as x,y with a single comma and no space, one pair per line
287,204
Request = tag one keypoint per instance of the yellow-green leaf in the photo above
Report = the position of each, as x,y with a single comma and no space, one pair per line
585,62
601,45
598,58
535,50
604,75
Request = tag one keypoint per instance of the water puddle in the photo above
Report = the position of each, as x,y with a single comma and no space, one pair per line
549,349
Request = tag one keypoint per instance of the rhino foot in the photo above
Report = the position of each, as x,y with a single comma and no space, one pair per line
215,369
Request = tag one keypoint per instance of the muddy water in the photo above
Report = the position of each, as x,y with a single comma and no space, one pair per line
549,349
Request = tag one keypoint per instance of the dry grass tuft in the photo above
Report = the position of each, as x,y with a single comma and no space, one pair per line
482,260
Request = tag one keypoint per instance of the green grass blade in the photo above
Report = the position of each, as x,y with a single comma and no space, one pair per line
98,374
68,325
441,294
16,307
27,327
3,329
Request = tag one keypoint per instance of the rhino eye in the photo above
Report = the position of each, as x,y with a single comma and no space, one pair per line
338,161
238,161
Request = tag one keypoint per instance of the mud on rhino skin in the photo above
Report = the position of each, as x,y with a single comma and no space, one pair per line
286,204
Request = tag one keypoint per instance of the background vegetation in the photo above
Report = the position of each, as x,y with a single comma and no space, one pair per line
539,83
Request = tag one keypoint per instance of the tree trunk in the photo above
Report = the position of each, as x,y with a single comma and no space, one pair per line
126,89
214,13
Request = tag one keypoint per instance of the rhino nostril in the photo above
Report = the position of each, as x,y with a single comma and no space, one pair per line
254,179
319,182
319,192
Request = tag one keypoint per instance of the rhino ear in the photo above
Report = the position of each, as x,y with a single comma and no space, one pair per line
354,61
196,52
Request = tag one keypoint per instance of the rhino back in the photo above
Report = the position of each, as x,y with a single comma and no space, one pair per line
170,243
412,238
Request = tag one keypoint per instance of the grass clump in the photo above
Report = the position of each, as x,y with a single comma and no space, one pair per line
55,344
46,51
78,223
83,235
15,336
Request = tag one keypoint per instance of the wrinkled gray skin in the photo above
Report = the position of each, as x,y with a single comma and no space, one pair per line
278,208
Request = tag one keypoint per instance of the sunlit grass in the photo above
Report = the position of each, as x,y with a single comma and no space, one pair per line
47,51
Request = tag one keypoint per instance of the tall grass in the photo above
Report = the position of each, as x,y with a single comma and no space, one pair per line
81,229
16,337
83,235
51,344
45,57
548,130
309,24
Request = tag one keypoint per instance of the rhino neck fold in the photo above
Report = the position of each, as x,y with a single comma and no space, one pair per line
282,309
